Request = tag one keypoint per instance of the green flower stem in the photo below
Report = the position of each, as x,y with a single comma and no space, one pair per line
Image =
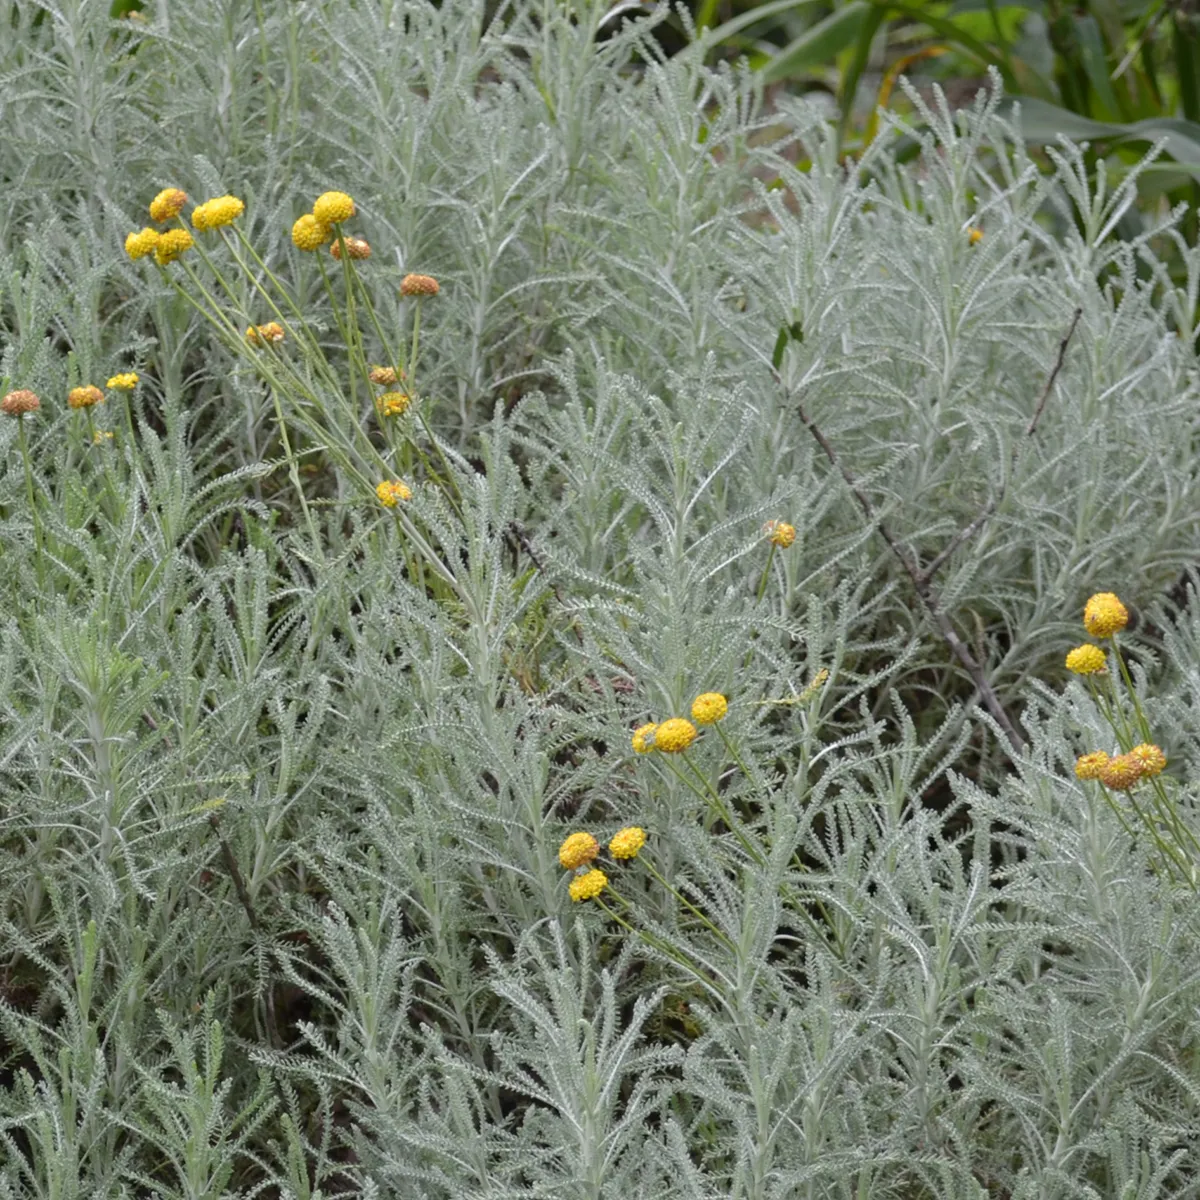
1153,831
709,796
688,904
733,752
33,510
354,347
762,583
1137,707
416,334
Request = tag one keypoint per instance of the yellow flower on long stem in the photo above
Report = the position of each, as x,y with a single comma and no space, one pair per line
627,842
1104,615
589,886
578,849
333,207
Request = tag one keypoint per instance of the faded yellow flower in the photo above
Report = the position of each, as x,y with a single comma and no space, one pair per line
171,245
1104,615
709,708
391,492
779,533
1089,766
1086,660
20,402
578,849
1121,773
419,285
167,204
333,207
587,887
627,842
309,234
84,397
356,248
1151,757
674,735
394,404
138,245
384,376
100,436
124,382
643,738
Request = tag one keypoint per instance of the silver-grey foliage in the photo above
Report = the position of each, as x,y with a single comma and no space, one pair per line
281,912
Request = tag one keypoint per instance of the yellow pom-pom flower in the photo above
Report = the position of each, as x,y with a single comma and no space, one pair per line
578,849
84,397
587,887
974,236
674,735
1104,615
394,404
138,245
643,738
333,207
779,533
1151,757
167,204
1086,660
356,248
20,402
221,210
260,335
419,285
1089,766
309,234
709,708
384,376
391,492
125,382
171,245
627,842
1121,773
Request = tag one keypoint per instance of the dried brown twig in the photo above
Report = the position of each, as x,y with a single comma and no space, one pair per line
921,577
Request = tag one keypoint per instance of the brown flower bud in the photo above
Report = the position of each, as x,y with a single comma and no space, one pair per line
20,402
419,285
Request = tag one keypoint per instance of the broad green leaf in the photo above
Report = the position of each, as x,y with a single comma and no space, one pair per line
722,33
820,43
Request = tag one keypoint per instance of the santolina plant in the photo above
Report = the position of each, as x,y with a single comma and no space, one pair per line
541,671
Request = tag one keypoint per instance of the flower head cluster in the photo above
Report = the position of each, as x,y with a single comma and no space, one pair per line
167,204
1121,773
331,208
974,235
84,397
309,234
779,533
709,708
171,245
126,381
20,402
419,285
627,842
221,210
383,376
260,335
394,404
674,736
355,248
1086,660
392,491
588,886
578,849
1151,757
1089,766
643,738
138,245
1104,615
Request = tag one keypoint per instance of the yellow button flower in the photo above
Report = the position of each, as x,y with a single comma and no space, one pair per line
578,849
1104,615
84,397
1086,660
779,533
221,210
394,404
627,842
674,735
1089,766
419,285
974,236
125,382
1151,757
171,245
588,886
333,207
391,492
167,204
643,738
309,234
1121,773
138,245
259,335
709,708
